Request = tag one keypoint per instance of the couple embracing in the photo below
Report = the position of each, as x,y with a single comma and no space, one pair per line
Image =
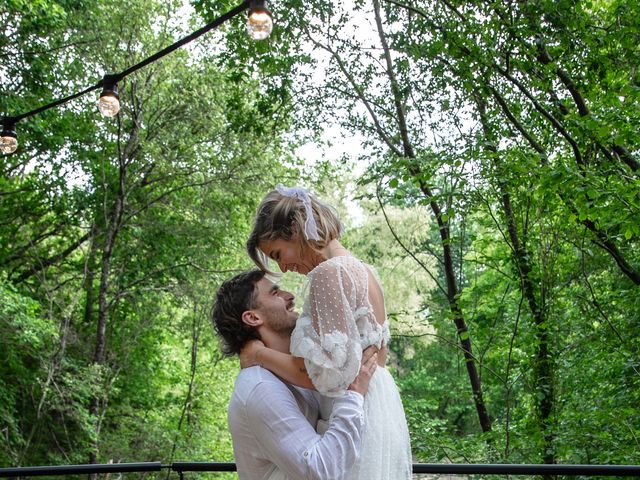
313,399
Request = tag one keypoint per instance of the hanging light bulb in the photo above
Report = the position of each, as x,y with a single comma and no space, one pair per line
109,103
9,138
260,21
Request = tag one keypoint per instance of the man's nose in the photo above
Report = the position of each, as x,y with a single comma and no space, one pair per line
288,296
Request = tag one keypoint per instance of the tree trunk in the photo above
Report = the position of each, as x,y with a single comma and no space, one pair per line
89,277
98,405
188,401
453,293
103,312
543,366
443,226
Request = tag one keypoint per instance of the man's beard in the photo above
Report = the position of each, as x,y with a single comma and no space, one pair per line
282,327
283,324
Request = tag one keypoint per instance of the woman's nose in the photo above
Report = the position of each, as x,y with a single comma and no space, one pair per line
283,267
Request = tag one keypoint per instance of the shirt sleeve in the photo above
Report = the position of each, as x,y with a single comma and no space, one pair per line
328,338
289,441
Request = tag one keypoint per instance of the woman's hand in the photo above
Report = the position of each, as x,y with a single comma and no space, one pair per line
249,353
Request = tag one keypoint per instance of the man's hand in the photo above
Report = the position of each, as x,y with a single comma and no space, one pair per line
368,366
249,353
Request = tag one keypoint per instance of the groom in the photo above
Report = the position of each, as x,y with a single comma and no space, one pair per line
273,423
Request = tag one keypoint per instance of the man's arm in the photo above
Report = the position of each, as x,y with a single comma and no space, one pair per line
290,441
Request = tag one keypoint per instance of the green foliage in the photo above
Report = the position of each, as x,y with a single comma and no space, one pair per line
501,141
24,338
124,227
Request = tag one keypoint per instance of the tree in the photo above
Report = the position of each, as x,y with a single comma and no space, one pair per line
128,254
509,123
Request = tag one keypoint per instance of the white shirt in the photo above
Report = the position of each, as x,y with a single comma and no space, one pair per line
272,426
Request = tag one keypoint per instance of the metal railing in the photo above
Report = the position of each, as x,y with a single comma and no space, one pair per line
432,468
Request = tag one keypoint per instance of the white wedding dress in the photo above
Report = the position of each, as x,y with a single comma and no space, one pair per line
336,324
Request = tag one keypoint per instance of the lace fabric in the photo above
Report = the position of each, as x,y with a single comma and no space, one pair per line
336,324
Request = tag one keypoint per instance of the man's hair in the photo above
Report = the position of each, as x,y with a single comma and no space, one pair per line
234,297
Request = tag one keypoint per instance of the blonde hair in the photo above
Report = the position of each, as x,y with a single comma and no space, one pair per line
282,216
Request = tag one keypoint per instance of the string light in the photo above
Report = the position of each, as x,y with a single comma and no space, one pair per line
9,138
109,102
259,20
259,26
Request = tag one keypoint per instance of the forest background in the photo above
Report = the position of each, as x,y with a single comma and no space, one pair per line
494,186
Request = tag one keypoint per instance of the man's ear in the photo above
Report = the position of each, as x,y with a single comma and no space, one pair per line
250,318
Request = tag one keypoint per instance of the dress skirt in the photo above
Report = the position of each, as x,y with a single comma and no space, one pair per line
386,450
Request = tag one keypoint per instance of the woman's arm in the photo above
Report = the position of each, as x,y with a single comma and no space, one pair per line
327,341
286,366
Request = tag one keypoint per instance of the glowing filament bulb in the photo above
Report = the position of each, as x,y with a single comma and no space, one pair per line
109,103
8,140
260,21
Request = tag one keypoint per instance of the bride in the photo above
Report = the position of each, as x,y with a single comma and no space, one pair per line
343,313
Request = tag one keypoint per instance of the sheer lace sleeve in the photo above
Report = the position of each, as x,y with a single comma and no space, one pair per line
326,335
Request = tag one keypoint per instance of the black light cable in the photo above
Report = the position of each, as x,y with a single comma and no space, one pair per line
259,26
